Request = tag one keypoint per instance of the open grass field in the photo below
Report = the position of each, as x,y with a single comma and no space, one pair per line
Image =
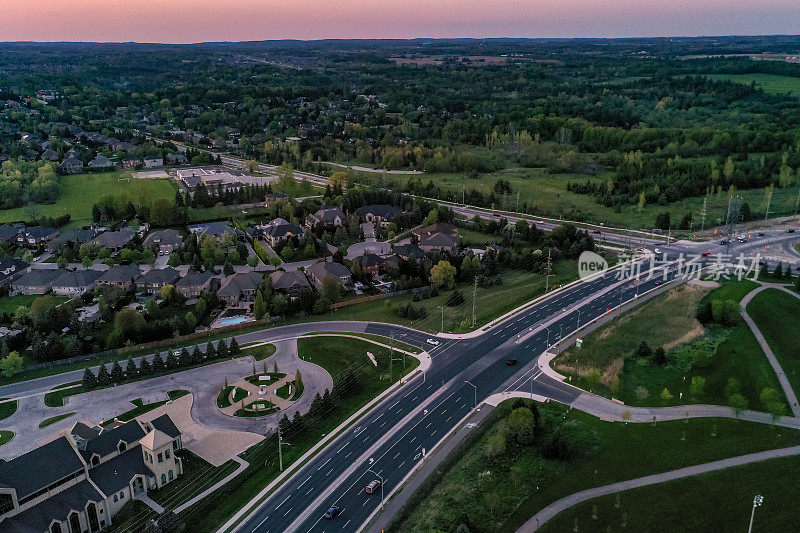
198,475
80,192
500,494
769,83
777,316
546,195
717,501
670,322
9,304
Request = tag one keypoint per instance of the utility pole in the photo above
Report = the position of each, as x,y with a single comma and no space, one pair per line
391,360
474,297
768,195
280,445
797,201
442,328
757,501
547,273
703,212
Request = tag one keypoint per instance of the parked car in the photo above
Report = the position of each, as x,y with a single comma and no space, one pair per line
760,233
332,512
372,486
657,251
790,231
706,254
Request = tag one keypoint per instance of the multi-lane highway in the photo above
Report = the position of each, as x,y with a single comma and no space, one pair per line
387,442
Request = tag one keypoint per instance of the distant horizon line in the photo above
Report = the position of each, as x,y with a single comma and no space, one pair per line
410,39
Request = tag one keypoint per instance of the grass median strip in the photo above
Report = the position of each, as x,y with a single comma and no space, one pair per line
5,436
53,419
8,408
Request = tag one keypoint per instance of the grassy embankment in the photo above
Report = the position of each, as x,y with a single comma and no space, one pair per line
777,316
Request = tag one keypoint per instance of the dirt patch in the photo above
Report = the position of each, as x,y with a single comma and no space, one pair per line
612,371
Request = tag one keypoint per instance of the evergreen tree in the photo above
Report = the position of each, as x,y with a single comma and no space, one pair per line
197,355
184,359
778,272
297,423
211,353
172,361
89,379
117,375
234,349
284,424
222,349
659,356
644,350
144,367
131,371
158,363
103,377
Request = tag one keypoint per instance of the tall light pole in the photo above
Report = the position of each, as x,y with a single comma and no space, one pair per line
442,328
548,336
757,501
381,479
579,318
476,392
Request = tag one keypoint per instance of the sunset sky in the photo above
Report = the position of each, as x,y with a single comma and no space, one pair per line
182,21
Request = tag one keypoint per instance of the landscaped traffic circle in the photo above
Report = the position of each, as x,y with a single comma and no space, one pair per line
261,394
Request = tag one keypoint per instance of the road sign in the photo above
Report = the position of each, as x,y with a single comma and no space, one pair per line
578,343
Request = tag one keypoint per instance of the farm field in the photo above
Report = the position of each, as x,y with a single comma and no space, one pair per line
770,83
80,192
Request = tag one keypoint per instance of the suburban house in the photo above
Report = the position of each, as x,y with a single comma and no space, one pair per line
322,269
276,198
75,284
177,159
151,281
114,240
439,236
122,276
131,162
75,236
214,229
213,180
409,252
194,283
369,263
36,237
49,155
35,282
379,214
71,165
78,482
240,288
11,269
165,240
101,161
291,282
278,231
326,217
9,234
153,162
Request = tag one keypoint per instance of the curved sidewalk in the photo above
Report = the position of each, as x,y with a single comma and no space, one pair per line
782,379
573,499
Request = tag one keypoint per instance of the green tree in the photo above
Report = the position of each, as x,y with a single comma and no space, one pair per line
234,349
520,424
643,350
89,380
495,446
738,403
666,395
191,321
331,288
697,385
11,364
259,309
443,274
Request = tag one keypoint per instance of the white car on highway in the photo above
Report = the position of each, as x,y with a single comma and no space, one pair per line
434,342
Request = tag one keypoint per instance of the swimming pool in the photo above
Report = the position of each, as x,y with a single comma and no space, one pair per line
231,320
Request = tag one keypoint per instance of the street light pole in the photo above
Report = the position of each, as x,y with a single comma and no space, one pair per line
381,478
442,328
476,392
757,501
548,337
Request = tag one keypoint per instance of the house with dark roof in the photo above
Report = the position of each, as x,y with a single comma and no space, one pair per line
121,276
380,214
101,161
278,231
322,270
326,217
49,155
276,198
165,240
35,281
114,240
36,237
369,263
151,281
409,251
290,282
11,269
194,283
177,159
74,237
79,481
71,165
240,288
9,234
75,284
439,236
214,229
131,162
153,162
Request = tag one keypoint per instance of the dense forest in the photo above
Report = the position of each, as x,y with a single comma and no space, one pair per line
634,121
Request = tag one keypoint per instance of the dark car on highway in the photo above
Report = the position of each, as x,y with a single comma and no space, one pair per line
511,362
332,512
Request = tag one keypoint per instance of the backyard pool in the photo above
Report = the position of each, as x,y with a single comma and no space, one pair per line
231,320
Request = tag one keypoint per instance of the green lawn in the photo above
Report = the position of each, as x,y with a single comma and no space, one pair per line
198,475
53,419
9,304
371,336
80,192
777,316
712,502
283,391
5,436
223,398
132,518
55,398
260,352
770,83
8,408
499,494
265,408
140,409
335,355
734,352
272,377
239,395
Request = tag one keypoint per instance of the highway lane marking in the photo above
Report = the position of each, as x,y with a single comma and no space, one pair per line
396,456
284,501
309,491
365,439
348,454
382,424
448,419
259,524
288,511
329,472
303,483
323,464
340,449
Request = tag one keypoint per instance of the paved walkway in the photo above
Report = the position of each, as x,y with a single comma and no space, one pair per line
147,500
782,379
258,393
242,465
573,499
